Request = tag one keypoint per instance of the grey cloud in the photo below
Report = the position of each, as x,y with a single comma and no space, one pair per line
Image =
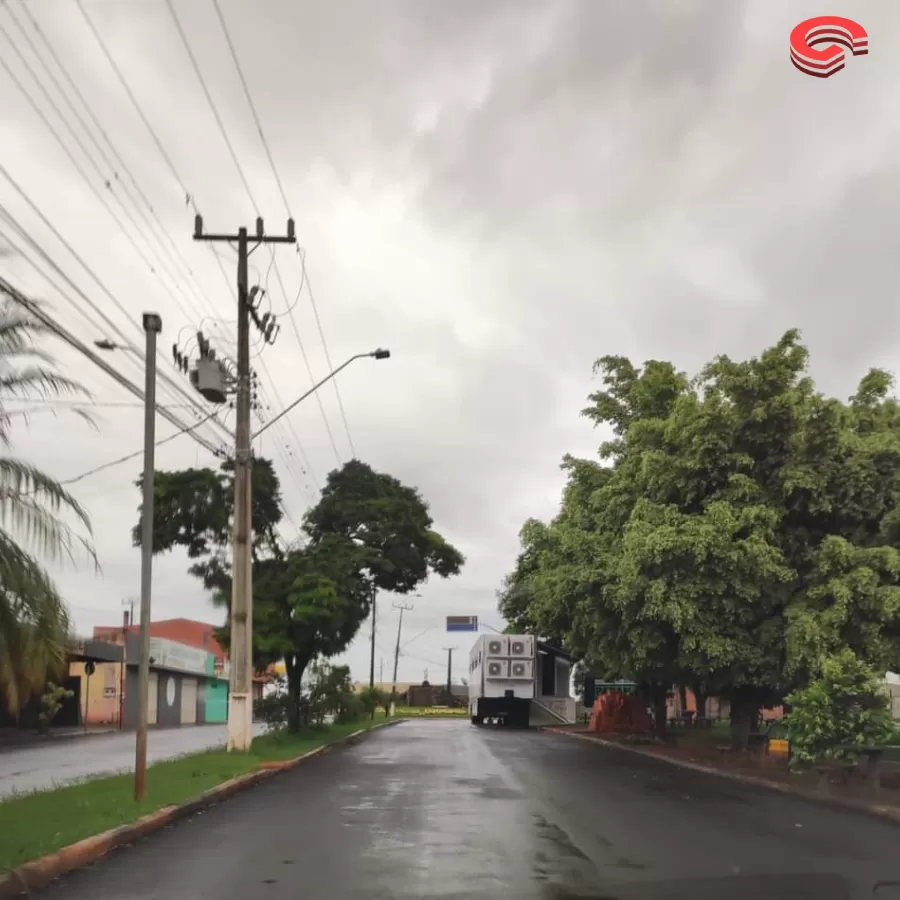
501,193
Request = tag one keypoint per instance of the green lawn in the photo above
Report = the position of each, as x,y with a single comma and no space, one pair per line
32,825
719,733
433,712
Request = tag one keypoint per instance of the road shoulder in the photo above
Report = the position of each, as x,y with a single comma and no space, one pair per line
847,803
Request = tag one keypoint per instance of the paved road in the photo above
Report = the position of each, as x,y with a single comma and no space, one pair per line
61,760
443,810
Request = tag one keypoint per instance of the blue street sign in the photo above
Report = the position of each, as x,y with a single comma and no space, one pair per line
462,623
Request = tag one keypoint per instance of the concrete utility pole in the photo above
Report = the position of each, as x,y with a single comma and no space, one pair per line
152,327
402,607
372,657
240,693
449,670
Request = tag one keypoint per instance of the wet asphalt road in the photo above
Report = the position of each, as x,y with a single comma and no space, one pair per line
431,809
62,760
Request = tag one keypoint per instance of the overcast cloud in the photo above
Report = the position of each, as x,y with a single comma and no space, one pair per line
499,192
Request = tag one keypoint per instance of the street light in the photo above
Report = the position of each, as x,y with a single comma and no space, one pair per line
152,327
379,353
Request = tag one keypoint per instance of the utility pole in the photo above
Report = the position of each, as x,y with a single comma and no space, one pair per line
402,607
127,621
152,327
449,672
240,692
372,658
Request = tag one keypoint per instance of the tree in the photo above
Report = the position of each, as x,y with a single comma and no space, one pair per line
742,529
367,532
388,521
34,622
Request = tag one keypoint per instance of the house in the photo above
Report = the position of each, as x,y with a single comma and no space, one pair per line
82,653
189,673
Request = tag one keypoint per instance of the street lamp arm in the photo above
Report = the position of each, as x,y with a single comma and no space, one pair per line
375,354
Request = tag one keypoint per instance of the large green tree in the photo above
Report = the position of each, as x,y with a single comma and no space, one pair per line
368,532
743,529
34,622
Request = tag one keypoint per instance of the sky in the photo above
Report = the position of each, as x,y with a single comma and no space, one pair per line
499,193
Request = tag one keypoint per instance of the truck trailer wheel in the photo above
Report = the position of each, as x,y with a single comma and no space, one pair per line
477,720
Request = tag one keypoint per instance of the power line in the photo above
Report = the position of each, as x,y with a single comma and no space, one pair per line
137,106
212,105
79,143
256,119
188,197
103,404
52,325
227,140
287,206
129,456
178,256
177,386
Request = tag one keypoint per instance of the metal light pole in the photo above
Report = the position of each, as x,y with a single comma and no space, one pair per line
152,327
380,353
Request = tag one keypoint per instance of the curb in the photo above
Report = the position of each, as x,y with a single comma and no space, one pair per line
40,872
873,809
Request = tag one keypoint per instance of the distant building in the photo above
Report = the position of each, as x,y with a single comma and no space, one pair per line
189,672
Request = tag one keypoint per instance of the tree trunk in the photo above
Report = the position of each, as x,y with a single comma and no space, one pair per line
658,696
295,667
682,698
701,703
745,708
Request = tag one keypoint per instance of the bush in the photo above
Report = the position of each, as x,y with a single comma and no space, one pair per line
272,710
847,706
329,693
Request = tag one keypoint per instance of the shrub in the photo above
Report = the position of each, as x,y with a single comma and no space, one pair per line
846,706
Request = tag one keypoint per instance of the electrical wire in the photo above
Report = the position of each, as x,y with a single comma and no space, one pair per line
101,404
167,159
209,99
4,213
178,256
259,128
152,267
130,456
268,151
170,165
60,331
222,130
78,167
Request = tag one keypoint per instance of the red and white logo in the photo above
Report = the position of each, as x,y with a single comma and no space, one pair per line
821,62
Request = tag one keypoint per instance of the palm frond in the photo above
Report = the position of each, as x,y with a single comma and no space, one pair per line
34,625
36,381
29,504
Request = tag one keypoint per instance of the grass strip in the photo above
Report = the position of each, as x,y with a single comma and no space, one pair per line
35,824
432,712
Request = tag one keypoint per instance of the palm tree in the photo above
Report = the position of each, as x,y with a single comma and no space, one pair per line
34,621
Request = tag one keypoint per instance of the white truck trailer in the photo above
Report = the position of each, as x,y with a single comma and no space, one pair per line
502,679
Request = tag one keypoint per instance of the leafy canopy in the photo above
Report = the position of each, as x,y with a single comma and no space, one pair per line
367,532
737,529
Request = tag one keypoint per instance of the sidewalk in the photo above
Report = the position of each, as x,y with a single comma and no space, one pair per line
15,738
